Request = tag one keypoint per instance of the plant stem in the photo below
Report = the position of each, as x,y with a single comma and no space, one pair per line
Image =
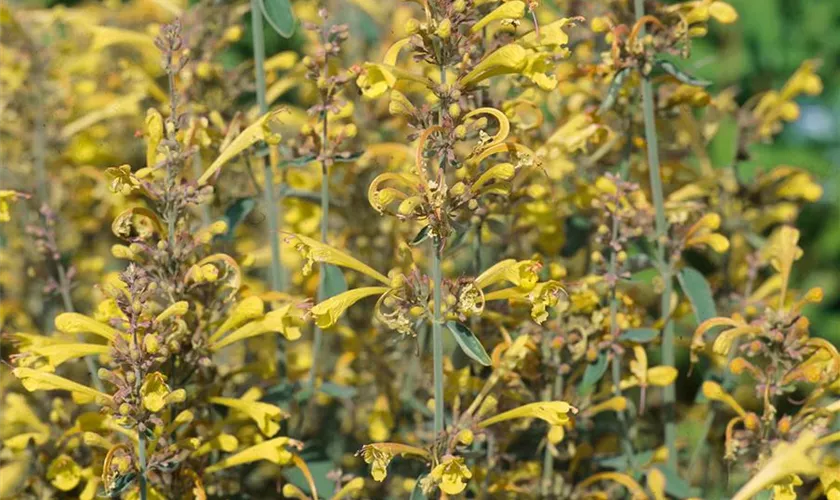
437,339
318,336
553,391
626,444
64,287
141,452
271,205
668,357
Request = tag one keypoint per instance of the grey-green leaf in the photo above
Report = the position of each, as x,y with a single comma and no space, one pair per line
593,373
334,282
673,70
699,293
613,91
640,335
280,16
468,342
676,486
421,235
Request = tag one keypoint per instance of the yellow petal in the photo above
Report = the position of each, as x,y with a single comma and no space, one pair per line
258,131
315,251
154,391
723,12
177,309
523,274
283,320
64,473
266,416
662,375
75,323
34,380
656,483
350,490
553,412
713,391
246,310
273,450
508,10
14,474
60,353
787,458
122,106
326,313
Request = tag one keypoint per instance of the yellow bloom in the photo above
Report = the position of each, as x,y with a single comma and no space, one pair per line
315,251
285,320
381,420
509,10
512,59
553,412
451,475
260,130
274,450
6,197
266,416
156,393
34,380
64,473
702,233
379,455
326,313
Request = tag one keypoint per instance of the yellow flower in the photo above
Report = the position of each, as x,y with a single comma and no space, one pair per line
156,393
273,450
553,412
34,380
6,197
285,320
509,10
326,313
452,475
266,416
512,59
702,233
64,473
379,455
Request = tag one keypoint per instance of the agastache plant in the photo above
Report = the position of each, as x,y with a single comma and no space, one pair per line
436,249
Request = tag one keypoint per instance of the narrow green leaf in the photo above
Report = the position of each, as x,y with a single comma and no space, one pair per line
235,214
613,91
640,335
337,391
699,293
468,342
421,236
334,282
682,76
593,373
280,16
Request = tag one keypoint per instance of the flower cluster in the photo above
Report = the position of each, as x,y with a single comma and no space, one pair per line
436,249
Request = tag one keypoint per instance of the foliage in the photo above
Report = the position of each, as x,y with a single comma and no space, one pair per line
453,249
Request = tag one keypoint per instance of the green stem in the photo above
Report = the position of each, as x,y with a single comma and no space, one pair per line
318,337
437,339
553,391
271,205
668,357
64,287
141,452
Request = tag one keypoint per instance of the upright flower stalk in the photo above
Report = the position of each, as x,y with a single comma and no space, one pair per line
271,206
663,261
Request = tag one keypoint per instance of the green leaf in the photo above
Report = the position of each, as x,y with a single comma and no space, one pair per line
640,335
421,236
337,391
593,373
320,469
417,492
676,486
235,214
334,282
699,293
468,342
614,90
682,76
280,16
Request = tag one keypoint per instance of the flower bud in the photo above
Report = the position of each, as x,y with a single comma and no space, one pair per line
444,29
